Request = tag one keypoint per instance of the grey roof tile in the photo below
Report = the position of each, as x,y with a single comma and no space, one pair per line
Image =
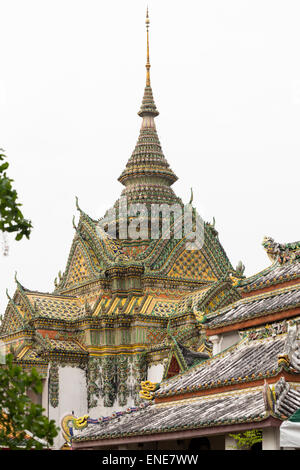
238,362
276,273
239,406
256,306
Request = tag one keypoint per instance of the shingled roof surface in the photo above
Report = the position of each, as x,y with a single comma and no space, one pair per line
256,306
276,273
214,410
246,361
57,307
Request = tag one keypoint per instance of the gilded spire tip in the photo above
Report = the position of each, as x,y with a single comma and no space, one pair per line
148,60
148,107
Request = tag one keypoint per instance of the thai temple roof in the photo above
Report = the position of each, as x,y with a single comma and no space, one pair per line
212,410
244,367
285,267
52,306
130,304
245,362
256,306
277,273
251,405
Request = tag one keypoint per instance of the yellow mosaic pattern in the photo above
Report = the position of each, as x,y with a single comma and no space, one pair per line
92,256
191,264
90,298
78,271
152,305
215,301
14,323
162,307
191,300
61,345
23,309
147,305
30,355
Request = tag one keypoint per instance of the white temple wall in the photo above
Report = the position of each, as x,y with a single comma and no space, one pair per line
155,373
103,411
72,397
229,339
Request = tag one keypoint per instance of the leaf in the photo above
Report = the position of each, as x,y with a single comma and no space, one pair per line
4,166
11,217
21,414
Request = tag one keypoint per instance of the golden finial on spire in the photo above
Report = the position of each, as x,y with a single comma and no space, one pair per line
148,60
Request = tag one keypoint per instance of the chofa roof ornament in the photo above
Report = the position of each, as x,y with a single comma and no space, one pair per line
281,252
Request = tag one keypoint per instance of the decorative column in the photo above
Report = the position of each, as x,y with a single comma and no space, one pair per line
216,341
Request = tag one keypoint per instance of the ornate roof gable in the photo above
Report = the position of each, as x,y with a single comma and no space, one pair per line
13,319
92,252
170,257
79,268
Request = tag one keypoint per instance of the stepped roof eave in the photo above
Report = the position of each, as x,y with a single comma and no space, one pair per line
50,294
148,107
255,307
239,410
285,266
134,172
271,276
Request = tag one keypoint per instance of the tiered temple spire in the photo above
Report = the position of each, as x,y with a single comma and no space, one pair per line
147,177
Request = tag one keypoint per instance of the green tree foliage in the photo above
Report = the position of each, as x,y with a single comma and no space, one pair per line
11,218
18,414
247,439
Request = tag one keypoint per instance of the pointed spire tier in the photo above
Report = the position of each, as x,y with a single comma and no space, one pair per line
148,107
147,177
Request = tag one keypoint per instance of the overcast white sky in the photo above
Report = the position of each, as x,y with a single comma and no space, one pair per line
226,80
